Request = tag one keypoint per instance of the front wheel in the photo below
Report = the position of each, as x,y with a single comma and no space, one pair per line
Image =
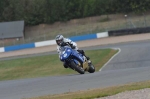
77,68
91,68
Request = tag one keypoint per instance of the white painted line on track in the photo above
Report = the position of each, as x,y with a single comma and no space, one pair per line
111,57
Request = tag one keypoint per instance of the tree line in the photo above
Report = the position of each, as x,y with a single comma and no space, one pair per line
49,11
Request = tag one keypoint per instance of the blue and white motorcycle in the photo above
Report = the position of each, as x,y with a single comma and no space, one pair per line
75,60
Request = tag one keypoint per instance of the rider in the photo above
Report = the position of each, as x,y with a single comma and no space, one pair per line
61,41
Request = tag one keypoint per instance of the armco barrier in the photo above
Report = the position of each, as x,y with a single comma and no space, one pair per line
2,49
52,42
102,34
83,37
45,43
19,47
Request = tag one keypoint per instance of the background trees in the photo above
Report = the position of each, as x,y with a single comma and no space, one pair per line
49,11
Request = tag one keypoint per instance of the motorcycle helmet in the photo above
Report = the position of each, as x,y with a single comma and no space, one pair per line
59,40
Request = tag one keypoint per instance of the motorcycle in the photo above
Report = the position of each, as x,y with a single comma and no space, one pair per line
75,60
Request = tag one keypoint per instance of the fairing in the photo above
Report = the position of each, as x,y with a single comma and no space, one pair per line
67,52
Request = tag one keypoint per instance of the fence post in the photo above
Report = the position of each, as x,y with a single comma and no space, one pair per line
126,19
3,42
14,41
144,19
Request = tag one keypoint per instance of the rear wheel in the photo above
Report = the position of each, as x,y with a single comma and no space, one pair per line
77,68
91,68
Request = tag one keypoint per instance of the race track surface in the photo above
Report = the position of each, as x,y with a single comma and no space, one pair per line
132,64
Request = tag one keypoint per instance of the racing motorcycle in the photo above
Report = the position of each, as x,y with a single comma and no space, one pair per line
75,60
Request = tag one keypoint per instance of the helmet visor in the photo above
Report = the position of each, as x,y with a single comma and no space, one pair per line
59,42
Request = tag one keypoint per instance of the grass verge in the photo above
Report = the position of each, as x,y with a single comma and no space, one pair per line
97,93
49,65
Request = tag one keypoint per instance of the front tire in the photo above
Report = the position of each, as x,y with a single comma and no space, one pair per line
77,68
91,68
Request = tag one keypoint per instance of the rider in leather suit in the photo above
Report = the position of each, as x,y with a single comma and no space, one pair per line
61,41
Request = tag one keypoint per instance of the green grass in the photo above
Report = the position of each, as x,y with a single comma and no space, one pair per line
48,65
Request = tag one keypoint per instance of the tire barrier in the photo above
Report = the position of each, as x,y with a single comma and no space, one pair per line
129,31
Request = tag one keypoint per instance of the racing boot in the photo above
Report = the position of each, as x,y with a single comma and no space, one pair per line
88,59
83,53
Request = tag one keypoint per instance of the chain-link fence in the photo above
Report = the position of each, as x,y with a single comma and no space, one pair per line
81,27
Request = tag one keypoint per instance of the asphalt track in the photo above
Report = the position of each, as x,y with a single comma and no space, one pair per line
132,64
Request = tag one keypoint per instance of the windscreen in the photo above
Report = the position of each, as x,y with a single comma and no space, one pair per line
62,49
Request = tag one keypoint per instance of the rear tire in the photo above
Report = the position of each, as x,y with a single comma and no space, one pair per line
91,68
77,68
